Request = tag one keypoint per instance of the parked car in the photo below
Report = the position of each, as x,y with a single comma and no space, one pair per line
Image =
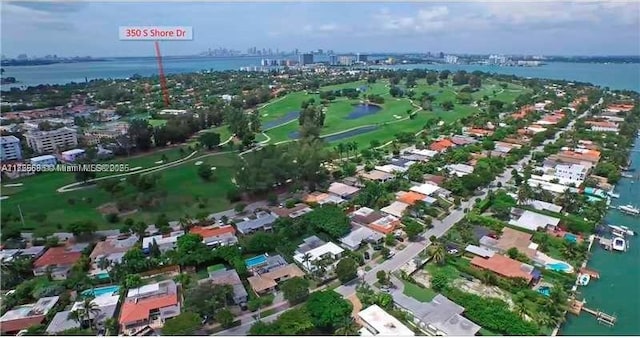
453,251
366,255
399,238
243,306
391,253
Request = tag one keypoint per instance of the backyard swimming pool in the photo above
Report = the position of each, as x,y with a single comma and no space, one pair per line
559,266
255,261
571,238
105,290
545,290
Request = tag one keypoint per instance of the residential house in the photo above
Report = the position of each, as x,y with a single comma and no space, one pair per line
58,261
164,242
532,220
322,198
230,277
604,126
522,112
377,322
459,169
441,145
478,132
410,197
577,156
149,305
479,251
511,238
342,190
376,175
261,221
391,168
461,140
572,172
216,235
506,267
268,282
388,223
435,179
106,306
427,189
439,317
24,316
540,205
414,154
33,252
355,238
314,250
395,209
295,212
365,216
112,249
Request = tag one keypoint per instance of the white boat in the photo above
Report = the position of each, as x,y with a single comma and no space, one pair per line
621,231
619,244
629,209
613,194
584,279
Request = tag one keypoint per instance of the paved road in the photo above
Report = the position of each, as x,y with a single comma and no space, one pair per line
248,320
441,227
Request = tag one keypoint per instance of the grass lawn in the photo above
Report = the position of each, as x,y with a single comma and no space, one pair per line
156,123
38,194
419,293
449,271
485,332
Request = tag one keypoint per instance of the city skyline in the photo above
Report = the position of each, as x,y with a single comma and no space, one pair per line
593,28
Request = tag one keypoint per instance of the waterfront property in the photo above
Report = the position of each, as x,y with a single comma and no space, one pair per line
507,267
439,317
377,322
149,305
532,220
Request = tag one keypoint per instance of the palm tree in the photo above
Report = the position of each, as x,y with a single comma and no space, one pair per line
103,263
545,320
438,253
487,277
524,194
305,259
90,309
185,223
76,316
520,309
354,147
347,328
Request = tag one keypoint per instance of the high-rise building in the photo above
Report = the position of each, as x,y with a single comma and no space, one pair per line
52,140
10,148
452,59
345,60
333,60
361,57
305,59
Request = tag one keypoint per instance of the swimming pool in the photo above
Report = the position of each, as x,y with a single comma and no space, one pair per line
255,261
559,266
102,275
545,290
105,290
571,238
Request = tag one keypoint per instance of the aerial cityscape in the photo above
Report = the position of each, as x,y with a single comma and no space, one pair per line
355,169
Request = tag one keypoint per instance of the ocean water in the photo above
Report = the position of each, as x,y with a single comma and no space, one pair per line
615,76
617,292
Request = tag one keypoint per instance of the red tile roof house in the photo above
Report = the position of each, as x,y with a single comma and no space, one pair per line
22,317
215,235
441,145
506,267
58,261
149,305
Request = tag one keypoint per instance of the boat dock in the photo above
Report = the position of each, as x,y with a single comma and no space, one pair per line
576,307
606,243
591,273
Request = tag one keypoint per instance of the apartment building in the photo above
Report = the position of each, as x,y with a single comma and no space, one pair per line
10,148
52,140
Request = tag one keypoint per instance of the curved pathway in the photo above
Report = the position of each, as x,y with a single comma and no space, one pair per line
84,185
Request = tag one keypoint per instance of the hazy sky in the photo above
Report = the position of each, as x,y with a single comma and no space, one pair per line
91,28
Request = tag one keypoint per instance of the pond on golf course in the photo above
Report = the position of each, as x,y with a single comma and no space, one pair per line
293,115
361,110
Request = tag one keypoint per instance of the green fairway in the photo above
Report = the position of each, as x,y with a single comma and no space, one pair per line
183,186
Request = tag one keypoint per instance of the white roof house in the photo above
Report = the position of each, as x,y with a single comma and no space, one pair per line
540,205
395,209
422,152
318,253
363,234
425,189
478,251
460,169
342,190
532,220
161,240
378,322
391,168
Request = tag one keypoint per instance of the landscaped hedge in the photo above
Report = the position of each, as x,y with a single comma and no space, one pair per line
492,314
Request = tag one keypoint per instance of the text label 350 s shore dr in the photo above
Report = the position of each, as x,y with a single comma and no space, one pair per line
156,33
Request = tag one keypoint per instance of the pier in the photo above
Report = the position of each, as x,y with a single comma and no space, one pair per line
606,243
576,307
591,273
